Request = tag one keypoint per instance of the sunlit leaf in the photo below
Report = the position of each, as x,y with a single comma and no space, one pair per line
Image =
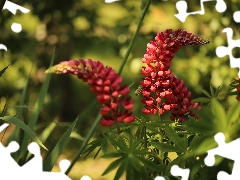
173,136
220,115
25,127
121,169
233,114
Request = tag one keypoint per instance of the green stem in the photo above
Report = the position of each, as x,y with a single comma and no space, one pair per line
141,17
89,135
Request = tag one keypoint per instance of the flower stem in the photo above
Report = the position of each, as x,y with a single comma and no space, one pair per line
141,17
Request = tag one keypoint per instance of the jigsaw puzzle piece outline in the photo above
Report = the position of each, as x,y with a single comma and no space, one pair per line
227,150
222,51
182,6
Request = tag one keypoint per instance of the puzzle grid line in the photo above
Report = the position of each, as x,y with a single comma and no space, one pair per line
33,169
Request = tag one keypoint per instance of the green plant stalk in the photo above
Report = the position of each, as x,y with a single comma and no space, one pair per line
141,17
89,135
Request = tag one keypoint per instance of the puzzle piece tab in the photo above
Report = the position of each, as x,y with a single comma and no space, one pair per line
181,6
228,150
33,168
223,51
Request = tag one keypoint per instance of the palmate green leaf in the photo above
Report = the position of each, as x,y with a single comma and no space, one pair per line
202,99
233,114
208,143
220,115
3,70
114,155
121,169
206,93
25,127
212,91
92,146
52,157
136,170
122,144
207,123
164,147
196,141
186,128
148,163
98,151
134,162
173,136
113,165
104,145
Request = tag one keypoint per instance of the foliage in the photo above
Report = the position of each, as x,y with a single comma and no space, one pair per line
141,149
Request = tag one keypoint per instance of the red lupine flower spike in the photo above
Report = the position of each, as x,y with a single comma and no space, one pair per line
158,78
106,84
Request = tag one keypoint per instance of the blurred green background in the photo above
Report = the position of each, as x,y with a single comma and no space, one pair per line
100,31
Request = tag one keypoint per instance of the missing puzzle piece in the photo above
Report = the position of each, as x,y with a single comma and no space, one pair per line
222,51
228,150
182,6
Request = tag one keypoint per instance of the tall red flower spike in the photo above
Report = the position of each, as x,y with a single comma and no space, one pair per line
105,83
170,93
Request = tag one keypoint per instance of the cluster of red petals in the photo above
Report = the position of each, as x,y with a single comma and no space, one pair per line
106,84
163,91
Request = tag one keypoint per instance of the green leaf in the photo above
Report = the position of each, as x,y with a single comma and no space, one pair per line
121,169
77,136
206,93
164,147
114,155
47,132
195,142
220,115
37,108
173,136
18,133
207,144
98,151
207,123
92,146
104,145
202,99
212,91
25,127
113,165
52,157
121,144
3,70
148,163
233,114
